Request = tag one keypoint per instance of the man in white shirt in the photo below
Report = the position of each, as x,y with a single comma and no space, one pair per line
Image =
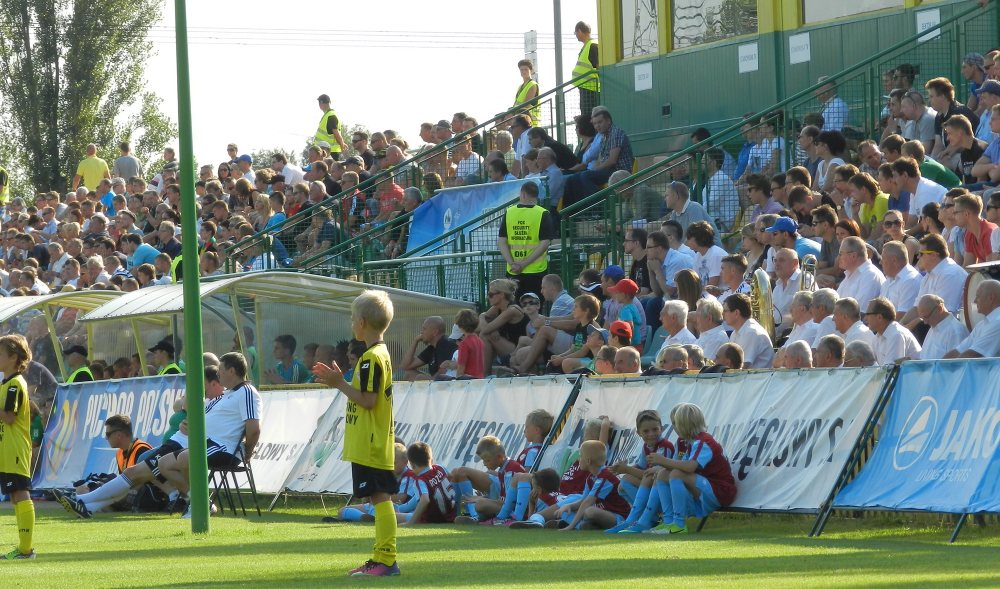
708,256
984,341
293,174
722,202
835,111
803,326
467,163
892,341
747,333
942,277
906,172
902,281
708,319
731,281
824,301
945,332
847,318
673,317
786,284
862,280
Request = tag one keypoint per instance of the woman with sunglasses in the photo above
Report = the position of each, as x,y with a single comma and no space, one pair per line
503,324
892,223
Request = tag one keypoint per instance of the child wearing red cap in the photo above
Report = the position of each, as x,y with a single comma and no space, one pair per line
624,293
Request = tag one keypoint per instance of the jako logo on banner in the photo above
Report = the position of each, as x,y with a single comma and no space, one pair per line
917,433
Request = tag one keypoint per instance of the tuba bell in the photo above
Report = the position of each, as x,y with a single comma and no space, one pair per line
807,274
761,305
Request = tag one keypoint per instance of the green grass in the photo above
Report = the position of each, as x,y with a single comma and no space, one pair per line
291,548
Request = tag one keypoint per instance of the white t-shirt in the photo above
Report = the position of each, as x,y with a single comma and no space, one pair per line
756,344
926,193
226,416
709,264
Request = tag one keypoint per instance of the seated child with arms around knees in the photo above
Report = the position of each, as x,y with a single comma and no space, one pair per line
601,506
537,425
544,495
435,495
403,502
494,483
638,479
700,481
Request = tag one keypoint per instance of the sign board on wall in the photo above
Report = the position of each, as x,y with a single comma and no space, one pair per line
799,50
748,58
927,19
643,76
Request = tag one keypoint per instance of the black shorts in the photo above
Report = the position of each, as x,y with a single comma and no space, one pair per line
153,462
217,456
368,481
9,483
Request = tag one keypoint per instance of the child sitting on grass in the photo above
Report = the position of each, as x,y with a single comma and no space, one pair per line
494,483
537,425
601,506
404,501
699,483
435,495
638,479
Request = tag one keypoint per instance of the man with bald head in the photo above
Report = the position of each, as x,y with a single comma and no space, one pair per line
91,170
627,361
797,355
858,354
437,350
945,331
984,341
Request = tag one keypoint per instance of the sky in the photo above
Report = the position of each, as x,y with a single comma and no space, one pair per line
257,67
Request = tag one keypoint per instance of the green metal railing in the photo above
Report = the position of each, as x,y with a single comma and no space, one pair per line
354,249
592,229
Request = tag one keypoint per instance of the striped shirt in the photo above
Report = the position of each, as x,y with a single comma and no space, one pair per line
615,137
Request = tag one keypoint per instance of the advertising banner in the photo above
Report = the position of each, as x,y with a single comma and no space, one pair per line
937,450
74,444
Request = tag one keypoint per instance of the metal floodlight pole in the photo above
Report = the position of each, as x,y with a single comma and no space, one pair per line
195,366
560,121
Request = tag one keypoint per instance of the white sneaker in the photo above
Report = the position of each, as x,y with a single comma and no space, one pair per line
187,514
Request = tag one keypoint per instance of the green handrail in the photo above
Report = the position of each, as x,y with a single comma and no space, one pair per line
390,172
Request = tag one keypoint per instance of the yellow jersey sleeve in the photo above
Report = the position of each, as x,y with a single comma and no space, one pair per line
369,434
15,438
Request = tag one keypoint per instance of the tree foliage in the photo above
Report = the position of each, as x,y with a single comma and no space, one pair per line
71,73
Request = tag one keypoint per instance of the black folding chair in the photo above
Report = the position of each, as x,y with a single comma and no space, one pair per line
223,489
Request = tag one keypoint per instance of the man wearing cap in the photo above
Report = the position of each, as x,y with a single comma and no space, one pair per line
76,363
163,358
328,129
784,233
245,163
526,231
974,71
989,96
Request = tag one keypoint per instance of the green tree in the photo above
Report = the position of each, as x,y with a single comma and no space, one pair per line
70,72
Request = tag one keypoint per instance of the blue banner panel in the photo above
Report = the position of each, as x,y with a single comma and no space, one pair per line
74,444
452,207
937,449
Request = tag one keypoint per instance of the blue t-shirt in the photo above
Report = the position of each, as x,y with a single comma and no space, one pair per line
900,204
993,151
804,246
295,373
631,315
144,254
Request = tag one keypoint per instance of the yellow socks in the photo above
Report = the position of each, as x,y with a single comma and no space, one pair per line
24,514
385,533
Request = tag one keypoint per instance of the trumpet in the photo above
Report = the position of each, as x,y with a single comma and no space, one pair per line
807,274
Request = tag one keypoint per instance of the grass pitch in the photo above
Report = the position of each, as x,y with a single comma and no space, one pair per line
291,548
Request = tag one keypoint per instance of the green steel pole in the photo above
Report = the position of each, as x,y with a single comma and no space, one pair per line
561,94
195,367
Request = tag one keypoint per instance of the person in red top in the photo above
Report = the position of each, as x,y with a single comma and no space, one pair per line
601,506
470,347
978,231
437,497
701,482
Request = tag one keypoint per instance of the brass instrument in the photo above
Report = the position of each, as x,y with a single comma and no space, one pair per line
761,305
807,274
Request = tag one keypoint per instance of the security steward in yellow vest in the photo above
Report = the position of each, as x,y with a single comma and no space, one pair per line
328,130
525,234
586,63
163,357
76,363
528,91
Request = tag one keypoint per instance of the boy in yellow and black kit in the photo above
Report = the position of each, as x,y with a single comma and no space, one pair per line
15,442
369,432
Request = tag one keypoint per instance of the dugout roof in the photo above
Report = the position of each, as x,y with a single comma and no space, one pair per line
309,291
